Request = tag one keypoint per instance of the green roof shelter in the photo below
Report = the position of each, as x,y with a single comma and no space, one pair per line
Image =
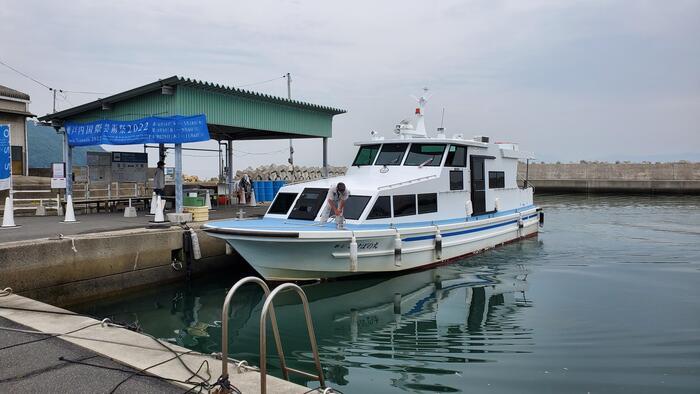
231,114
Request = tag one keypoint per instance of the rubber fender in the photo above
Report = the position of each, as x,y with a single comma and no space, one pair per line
196,251
397,249
438,244
353,254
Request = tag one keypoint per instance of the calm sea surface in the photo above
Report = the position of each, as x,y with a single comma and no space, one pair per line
606,299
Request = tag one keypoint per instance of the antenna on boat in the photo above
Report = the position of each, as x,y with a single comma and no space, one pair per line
441,129
417,127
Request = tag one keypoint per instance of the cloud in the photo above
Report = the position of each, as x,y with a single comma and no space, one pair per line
571,80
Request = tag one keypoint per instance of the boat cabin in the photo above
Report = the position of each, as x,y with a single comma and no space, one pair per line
410,180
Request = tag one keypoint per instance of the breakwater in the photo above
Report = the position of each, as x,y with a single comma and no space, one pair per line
586,177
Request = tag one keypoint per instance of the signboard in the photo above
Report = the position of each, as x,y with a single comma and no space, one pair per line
153,129
99,167
58,170
5,158
58,175
58,183
129,167
169,174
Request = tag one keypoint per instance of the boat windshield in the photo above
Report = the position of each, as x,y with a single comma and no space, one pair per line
282,203
308,204
366,154
354,206
425,155
391,155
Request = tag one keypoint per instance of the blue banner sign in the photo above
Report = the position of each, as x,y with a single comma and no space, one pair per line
5,157
153,129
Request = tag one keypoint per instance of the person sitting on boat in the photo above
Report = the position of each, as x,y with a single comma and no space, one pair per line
336,197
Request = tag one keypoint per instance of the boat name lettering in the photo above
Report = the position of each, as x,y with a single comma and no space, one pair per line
360,245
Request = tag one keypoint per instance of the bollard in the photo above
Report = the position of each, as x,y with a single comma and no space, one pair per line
130,212
59,207
8,218
40,209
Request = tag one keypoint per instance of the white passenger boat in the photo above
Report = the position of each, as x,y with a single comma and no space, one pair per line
415,201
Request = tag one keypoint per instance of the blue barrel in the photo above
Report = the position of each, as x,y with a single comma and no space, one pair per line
276,186
257,190
267,190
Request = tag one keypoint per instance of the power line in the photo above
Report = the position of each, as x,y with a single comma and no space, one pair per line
25,75
261,82
77,92
45,85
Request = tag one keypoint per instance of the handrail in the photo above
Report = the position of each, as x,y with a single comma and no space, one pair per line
423,178
224,325
309,326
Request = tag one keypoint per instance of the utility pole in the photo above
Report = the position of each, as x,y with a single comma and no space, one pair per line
54,100
291,146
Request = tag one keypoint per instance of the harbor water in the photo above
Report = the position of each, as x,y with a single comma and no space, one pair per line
605,299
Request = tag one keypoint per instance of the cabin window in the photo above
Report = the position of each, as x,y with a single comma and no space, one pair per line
497,180
404,205
282,203
425,154
308,204
391,155
427,203
354,206
456,180
366,154
381,208
456,156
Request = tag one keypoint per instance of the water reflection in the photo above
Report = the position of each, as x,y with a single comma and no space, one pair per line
605,301
412,328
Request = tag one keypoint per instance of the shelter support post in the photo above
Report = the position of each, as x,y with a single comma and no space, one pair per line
178,178
161,152
325,157
229,173
68,160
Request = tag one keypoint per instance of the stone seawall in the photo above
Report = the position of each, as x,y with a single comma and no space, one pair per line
677,178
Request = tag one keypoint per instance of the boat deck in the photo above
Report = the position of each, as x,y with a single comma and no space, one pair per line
306,226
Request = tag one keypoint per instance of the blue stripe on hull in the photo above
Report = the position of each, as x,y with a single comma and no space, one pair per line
471,230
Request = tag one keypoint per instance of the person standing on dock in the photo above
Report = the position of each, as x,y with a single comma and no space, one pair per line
245,186
159,179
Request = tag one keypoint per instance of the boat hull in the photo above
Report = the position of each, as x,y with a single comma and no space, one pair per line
297,258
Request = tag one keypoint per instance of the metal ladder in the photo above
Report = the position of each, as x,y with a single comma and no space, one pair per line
269,308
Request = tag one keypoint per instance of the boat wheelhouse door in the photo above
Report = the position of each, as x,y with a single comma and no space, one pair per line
478,185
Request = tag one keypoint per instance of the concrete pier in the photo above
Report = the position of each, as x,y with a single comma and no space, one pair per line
88,341
644,178
102,255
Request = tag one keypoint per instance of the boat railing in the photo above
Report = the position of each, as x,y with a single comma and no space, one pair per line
268,308
526,184
408,182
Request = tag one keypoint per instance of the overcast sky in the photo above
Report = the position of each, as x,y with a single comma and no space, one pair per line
569,80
